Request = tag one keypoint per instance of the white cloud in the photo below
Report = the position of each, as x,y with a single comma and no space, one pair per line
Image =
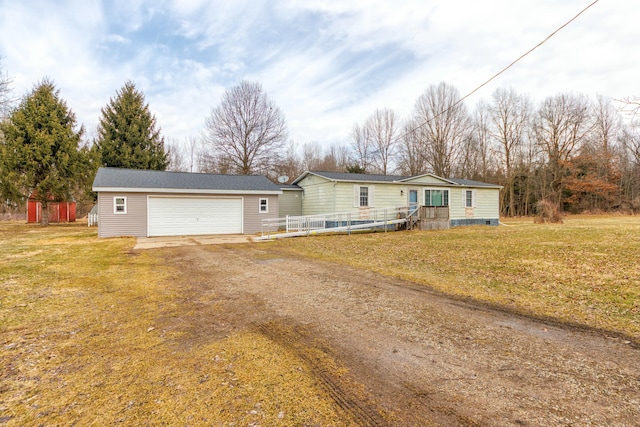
117,38
327,64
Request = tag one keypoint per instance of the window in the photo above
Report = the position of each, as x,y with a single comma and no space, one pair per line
364,196
264,206
436,197
119,205
468,199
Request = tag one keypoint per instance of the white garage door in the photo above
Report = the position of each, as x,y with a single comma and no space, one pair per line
184,216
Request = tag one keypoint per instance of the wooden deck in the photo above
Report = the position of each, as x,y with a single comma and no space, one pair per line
433,218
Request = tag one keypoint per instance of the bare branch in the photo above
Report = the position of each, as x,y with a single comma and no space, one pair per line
247,129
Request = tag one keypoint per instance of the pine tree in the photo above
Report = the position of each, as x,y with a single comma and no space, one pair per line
127,134
39,155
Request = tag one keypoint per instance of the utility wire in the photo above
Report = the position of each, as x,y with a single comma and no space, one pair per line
499,72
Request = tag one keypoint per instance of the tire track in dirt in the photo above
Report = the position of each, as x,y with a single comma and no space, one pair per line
390,352
364,412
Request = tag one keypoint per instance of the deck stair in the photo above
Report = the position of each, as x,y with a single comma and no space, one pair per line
387,219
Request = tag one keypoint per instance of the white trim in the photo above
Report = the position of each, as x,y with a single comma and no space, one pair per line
357,195
411,178
404,181
115,205
365,182
159,191
266,199
464,198
427,202
417,190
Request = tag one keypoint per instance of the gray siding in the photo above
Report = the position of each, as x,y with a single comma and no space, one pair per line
133,223
253,217
290,203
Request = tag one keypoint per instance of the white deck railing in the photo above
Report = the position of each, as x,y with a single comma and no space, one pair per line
92,219
290,226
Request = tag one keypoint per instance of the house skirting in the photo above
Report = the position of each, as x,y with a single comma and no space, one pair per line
430,224
475,221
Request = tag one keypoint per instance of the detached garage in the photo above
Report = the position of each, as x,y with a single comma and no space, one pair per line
154,203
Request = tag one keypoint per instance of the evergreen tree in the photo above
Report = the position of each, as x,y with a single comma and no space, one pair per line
127,134
39,154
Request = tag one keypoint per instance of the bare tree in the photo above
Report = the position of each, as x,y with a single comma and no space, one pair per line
485,157
561,125
631,141
215,163
176,156
5,94
334,158
630,164
381,129
184,156
631,105
410,159
362,147
509,114
443,125
290,164
606,128
476,151
193,148
247,129
311,156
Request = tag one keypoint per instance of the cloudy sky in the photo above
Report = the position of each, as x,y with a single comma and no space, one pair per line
326,64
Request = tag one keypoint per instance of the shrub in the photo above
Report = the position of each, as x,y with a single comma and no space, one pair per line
547,211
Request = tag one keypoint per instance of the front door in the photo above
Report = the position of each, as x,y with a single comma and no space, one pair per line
413,200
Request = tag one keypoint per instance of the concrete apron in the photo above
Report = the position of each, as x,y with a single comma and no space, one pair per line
173,241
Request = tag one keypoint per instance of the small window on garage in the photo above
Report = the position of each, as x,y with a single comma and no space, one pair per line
264,206
119,205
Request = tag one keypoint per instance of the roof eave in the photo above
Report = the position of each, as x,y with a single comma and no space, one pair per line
182,190
304,175
431,175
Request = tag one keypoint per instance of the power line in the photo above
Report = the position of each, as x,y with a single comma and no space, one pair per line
501,71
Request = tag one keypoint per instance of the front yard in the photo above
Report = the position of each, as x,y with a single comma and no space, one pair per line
94,333
585,271
84,342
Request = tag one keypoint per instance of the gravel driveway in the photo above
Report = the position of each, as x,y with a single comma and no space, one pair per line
412,356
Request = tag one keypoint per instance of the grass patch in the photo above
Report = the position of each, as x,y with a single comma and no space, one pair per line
586,271
81,344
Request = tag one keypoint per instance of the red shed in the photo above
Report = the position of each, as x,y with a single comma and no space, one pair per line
58,211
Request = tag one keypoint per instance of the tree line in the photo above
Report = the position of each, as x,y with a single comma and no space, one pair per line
577,153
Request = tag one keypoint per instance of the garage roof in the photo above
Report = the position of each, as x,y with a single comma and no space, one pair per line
134,180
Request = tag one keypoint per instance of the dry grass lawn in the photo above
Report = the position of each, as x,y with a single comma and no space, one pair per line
80,344
585,271
82,341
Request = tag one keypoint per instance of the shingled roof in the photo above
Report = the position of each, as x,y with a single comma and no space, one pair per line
364,177
115,179
344,176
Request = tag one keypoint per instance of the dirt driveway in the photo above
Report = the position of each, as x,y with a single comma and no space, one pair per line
408,356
